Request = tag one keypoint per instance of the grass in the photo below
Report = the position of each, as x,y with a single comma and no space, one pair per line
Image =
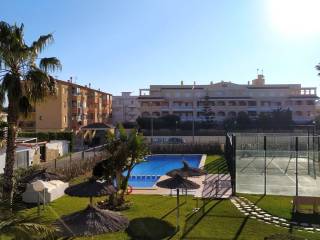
215,164
156,215
281,206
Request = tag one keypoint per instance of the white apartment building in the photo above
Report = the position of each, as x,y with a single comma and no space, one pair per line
227,99
125,108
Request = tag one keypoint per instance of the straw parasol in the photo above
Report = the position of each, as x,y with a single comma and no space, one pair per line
92,221
43,175
91,188
186,171
177,182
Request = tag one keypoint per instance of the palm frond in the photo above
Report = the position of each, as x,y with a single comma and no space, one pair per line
38,85
41,43
50,64
22,228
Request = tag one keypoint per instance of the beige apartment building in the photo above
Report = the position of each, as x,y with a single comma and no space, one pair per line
226,99
73,106
125,108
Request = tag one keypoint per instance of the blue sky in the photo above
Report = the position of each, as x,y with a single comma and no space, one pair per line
130,44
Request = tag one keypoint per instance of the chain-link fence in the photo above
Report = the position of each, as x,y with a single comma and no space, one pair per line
278,164
78,163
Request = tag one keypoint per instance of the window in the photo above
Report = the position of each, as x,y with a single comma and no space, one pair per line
40,117
310,102
65,119
252,113
252,103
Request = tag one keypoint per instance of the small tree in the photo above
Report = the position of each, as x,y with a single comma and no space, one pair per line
126,151
243,120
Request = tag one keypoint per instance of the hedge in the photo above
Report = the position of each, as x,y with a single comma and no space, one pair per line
208,148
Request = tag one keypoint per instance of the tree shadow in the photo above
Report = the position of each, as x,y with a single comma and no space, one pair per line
218,165
306,218
149,228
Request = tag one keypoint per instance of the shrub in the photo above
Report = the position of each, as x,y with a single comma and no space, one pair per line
18,175
208,148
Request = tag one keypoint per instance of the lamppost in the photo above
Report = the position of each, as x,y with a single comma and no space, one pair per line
38,186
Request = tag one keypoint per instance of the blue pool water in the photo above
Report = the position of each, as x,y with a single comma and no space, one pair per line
147,173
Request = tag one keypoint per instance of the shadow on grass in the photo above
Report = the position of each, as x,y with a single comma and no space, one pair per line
150,228
306,218
215,166
193,220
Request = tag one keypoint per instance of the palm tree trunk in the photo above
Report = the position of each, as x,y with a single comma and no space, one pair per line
10,158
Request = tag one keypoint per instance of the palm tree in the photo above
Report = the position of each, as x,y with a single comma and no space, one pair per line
125,152
24,80
22,228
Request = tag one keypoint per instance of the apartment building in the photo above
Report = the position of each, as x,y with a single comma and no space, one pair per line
226,99
125,108
73,106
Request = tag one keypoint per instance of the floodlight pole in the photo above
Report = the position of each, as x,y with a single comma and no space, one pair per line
193,111
178,211
297,151
265,164
308,146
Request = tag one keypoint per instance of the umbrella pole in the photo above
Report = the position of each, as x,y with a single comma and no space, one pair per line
178,212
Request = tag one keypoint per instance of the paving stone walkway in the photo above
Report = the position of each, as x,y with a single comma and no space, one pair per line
252,211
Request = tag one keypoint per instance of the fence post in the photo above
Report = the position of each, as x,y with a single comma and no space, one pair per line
265,163
70,159
297,154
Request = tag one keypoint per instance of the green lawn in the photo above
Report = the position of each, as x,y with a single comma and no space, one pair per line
156,214
221,220
282,206
215,164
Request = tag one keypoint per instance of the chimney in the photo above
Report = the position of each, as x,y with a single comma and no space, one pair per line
194,83
89,85
211,83
181,82
71,79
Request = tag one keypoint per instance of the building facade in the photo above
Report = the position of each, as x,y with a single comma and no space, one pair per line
72,107
223,100
125,108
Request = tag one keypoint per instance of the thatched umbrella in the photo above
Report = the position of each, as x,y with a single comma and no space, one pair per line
42,175
91,188
186,171
92,221
177,182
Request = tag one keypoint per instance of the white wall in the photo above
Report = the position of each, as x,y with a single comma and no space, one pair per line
61,145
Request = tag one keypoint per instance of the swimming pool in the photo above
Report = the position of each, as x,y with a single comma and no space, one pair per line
146,174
